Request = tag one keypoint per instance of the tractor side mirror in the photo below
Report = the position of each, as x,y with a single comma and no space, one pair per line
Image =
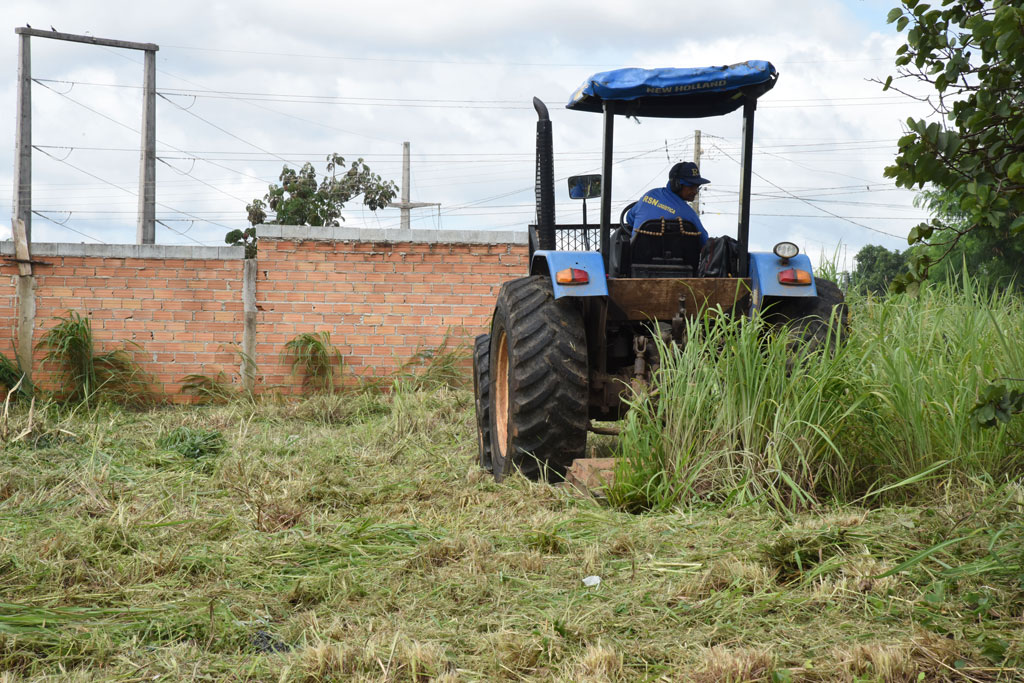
584,186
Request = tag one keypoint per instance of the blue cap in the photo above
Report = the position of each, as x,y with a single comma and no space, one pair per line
687,173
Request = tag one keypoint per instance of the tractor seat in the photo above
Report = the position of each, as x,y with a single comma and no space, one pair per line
665,248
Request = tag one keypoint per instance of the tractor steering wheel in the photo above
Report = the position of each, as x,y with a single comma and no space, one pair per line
622,216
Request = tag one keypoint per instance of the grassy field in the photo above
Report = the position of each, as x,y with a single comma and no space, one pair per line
352,537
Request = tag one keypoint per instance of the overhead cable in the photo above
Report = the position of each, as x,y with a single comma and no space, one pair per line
65,225
809,203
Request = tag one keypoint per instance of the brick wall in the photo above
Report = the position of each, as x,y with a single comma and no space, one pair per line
8,317
182,306
382,295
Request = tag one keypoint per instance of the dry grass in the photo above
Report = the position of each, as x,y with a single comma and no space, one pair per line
351,537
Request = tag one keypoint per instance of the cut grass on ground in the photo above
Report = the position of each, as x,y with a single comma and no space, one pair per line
352,537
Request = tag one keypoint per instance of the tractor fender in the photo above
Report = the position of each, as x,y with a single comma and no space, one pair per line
545,262
764,277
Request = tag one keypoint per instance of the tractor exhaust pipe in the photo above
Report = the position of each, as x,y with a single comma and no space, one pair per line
545,187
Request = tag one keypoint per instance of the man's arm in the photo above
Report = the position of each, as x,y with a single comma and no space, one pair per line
703,233
687,213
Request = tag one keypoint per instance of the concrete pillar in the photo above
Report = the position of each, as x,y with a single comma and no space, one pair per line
23,139
249,269
146,229
26,307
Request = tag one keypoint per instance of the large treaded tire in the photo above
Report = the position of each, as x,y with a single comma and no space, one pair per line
817,322
482,397
539,381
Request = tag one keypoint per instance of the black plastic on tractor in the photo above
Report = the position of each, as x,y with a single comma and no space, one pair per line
545,182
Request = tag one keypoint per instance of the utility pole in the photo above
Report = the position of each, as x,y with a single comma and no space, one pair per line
23,139
405,204
146,230
696,159
23,143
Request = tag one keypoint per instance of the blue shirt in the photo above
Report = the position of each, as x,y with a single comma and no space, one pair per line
661,203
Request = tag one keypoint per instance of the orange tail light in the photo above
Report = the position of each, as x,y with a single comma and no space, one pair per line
794,276
572,276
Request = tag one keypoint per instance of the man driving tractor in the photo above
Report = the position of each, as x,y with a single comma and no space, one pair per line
670,202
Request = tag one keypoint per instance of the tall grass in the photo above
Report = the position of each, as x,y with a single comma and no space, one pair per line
432,368
13,380
217,388
923,362
734,417
221,387
88,375
312,355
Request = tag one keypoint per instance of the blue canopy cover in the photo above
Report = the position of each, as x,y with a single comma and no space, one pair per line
672,92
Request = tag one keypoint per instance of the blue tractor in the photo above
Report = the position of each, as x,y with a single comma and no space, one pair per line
569,340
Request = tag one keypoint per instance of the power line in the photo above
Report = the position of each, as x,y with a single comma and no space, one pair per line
527,189
85,106
200,180
438,157
523,103
253,104
819,208
395,60
405,60
223,130
135,130
66,226
123,189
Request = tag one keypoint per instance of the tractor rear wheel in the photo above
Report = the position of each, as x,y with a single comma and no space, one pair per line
539,382
482,396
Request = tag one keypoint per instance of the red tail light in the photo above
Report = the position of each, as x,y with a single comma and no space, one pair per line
572,276
794,276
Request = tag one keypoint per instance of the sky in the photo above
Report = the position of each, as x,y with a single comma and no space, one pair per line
245,88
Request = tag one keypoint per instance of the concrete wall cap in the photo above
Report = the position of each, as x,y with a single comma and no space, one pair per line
143,251
299,233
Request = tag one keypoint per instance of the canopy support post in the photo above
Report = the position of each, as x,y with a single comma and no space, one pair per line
606,181
746,171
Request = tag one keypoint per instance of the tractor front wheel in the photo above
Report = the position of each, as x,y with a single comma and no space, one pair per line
539,381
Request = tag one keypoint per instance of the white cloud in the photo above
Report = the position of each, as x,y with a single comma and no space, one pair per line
455,79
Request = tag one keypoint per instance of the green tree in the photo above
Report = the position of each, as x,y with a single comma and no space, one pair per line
300,199
992,257
876,268
970,54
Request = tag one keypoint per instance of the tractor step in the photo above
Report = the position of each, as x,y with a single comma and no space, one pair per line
606,431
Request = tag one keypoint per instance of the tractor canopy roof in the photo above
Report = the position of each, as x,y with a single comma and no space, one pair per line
675,93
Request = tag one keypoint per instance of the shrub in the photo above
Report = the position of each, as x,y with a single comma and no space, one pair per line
194,443
313,355
87,375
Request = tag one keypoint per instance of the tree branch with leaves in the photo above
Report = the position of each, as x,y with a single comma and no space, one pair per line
300,199
970,53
